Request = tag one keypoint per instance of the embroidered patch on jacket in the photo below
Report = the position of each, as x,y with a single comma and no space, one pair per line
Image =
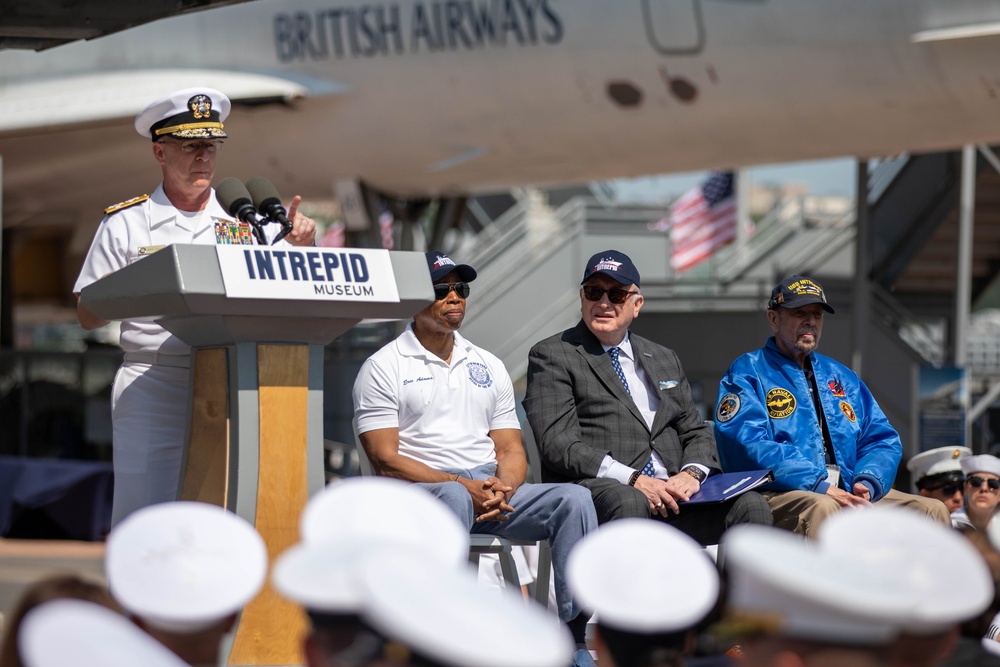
728,407
479,374
848,411
836,387
780,403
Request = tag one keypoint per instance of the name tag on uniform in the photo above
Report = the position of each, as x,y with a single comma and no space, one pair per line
833,475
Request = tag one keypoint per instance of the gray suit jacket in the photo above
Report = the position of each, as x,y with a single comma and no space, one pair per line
579,411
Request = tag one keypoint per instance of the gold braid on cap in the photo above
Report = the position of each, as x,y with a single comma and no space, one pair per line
187,126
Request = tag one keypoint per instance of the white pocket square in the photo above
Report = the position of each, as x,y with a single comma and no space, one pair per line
668,384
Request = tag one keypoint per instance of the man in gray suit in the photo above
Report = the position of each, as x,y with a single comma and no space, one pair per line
613,412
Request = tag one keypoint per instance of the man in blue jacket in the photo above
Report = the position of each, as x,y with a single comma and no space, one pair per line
808,419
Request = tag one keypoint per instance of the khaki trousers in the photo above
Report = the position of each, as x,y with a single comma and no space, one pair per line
804,511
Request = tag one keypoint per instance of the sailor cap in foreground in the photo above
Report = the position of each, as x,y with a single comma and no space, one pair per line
937,461
365,509
350,521
183,566
191,113
437,613
783,585
671,592
981,463
75,632
941,567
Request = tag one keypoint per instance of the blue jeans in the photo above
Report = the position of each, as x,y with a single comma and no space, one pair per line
559,513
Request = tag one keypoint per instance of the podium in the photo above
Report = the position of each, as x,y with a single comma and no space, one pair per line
257,320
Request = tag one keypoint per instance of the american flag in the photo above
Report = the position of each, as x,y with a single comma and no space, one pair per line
702,221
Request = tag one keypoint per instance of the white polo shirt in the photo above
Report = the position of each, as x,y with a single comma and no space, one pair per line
443,412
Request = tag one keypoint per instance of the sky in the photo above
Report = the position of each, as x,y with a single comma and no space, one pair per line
824,177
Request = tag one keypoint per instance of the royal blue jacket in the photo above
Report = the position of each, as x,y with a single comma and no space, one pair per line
765,418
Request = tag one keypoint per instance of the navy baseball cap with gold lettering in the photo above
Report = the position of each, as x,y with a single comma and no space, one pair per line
191,113
798,291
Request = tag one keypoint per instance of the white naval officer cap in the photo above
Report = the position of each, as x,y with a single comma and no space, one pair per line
948,576
348,522
436,613
782,585
670,593
183,566
76,632
191,113
981,463
937,462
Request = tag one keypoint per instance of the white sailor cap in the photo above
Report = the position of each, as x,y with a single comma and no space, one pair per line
981,463
352,519
437,613
76,632
670,593
182,566
782,585
191,113
948,576
939,461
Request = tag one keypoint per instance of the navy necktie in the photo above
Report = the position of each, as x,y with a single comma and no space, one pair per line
647,469
614,352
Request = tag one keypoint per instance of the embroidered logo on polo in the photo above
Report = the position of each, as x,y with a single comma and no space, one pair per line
479,374
848,411
780,403
836,387
728,407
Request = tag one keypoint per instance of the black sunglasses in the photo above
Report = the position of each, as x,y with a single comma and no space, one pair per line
948,489
615,295
441,290
977,481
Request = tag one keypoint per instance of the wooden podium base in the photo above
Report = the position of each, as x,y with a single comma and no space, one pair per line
270,629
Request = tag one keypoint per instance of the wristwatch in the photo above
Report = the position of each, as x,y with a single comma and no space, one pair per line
696,472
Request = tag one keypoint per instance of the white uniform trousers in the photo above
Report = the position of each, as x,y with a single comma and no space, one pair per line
149,414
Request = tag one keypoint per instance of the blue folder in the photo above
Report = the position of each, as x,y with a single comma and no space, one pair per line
726,485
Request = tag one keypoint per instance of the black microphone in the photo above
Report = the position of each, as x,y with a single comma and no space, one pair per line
234,197
268,203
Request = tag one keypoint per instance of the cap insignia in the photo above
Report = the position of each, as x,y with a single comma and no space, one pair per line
201,106
957,453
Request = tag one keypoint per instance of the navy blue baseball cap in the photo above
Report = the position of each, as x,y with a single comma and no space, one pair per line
612,263
798,291
441,265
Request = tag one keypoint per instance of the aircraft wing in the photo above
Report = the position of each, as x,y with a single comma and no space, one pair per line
81,99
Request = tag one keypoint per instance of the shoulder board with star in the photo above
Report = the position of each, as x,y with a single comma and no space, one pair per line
120,206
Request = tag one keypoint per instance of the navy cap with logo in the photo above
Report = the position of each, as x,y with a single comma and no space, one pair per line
612,263
798,291
441,265
192,113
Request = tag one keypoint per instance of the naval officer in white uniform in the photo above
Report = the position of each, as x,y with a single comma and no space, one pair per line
150,394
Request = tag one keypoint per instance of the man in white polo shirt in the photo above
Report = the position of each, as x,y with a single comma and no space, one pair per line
431,407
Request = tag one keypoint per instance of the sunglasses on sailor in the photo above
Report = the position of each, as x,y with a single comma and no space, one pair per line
976,482
615,295
441,290
947,489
